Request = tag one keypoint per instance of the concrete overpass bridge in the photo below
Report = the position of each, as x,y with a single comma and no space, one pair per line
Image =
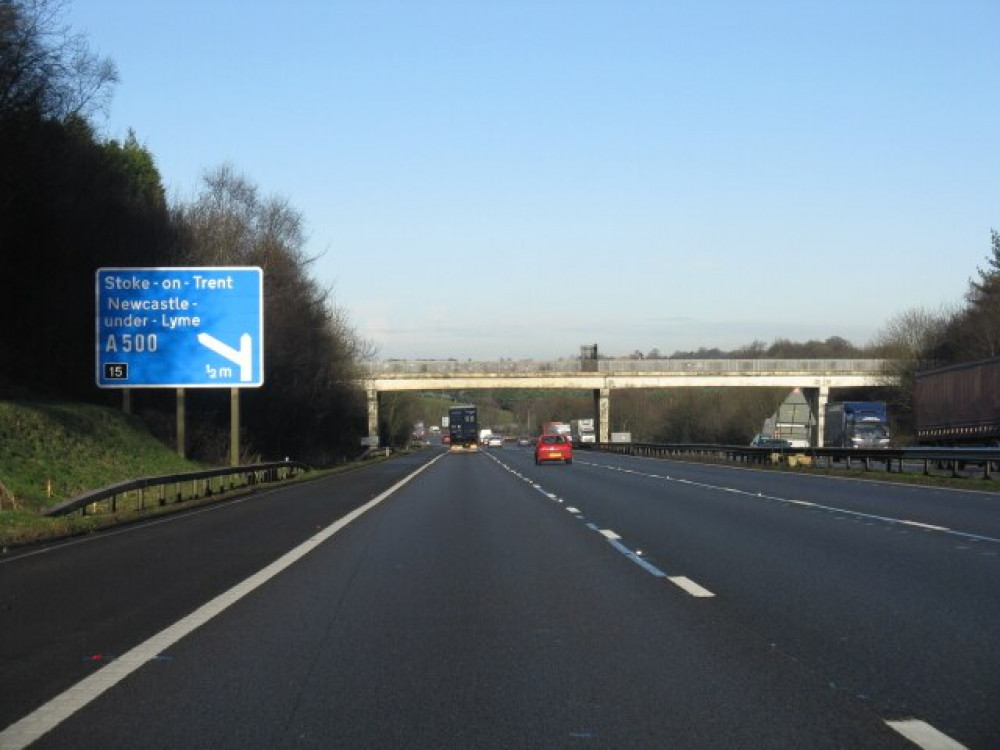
601,376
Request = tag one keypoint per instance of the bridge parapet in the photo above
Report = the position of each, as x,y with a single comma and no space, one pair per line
827,367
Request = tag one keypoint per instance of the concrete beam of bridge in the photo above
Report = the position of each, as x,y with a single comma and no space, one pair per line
815,376
592,382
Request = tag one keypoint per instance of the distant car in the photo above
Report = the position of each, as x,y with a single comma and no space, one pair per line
524,442
774,443
553,448
495,441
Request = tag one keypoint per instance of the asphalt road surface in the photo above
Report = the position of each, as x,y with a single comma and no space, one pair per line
442,600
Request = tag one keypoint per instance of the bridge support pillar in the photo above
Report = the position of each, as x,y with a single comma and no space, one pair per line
602,410
818,398
372,414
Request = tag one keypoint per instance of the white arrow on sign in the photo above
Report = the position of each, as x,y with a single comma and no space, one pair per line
243,356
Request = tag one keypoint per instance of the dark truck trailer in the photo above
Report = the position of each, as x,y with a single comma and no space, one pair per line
856,424
958,405
463,428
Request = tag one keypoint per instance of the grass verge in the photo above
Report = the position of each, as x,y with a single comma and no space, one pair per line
53,451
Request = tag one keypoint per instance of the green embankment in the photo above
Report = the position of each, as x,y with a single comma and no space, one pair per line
52,451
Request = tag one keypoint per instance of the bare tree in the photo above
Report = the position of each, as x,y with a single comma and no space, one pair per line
45,67
912,333
309,404
907,341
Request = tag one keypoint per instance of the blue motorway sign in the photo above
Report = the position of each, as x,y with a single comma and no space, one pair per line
180,327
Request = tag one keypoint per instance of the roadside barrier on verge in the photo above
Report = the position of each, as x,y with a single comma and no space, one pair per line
147,492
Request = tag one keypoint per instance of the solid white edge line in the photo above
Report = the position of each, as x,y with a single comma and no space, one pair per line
690,587
22,733
924,735
609,534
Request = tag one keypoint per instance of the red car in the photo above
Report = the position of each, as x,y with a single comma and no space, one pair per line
553,448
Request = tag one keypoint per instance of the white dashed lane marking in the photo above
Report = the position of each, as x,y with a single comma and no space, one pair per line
613,538
691,587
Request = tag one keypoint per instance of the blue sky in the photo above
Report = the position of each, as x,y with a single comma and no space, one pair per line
515,178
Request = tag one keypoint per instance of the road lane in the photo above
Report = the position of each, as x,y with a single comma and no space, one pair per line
472,610
70,605
973,512
901,616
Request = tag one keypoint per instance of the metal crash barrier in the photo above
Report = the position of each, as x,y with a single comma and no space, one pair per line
148,492
901,460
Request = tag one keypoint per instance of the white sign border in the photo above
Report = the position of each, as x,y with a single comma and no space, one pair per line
207,269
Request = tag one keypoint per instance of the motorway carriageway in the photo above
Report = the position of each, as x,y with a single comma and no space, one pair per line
478,600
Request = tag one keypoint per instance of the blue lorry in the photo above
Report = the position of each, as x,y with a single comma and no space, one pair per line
463,428
856,424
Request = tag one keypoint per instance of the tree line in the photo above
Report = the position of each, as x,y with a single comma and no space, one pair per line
72,202
968,330
914,340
